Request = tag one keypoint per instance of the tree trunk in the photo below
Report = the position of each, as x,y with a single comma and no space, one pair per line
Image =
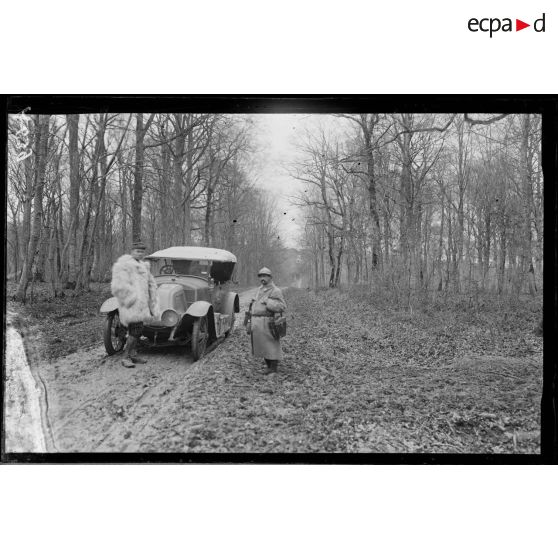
527,269
54,263
55,286
181,186
138,180
188,186
209,205
30,182
367,127
462,170
36,225
16,246
91,257
449,250
165,191
124,204
91,212
338,270
441,247
502,262
486,252
73,125
407,215
101,248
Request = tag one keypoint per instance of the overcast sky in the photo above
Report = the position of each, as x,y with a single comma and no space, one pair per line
277,136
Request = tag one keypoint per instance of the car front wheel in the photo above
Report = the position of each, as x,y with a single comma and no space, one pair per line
114,334
200,336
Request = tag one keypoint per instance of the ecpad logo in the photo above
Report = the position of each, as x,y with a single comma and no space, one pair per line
493,25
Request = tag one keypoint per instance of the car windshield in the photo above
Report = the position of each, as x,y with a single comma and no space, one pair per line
187,267
167,266
220,272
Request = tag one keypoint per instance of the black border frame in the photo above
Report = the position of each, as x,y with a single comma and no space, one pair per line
546,105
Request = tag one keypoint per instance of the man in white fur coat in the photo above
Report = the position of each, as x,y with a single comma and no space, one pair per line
136,291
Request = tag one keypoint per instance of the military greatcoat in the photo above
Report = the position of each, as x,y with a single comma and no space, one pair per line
269,299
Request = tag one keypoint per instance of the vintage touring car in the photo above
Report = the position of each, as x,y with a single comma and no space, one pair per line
196,303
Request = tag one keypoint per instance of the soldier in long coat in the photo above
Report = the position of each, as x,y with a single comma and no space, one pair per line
136,291
269,299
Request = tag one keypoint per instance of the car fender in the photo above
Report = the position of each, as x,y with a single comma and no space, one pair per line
203,308
109,305
231,304
198,309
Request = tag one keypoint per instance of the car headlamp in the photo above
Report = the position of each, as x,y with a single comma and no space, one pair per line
169,317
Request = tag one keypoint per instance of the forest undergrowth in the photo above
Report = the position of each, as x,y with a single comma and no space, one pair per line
56,327
466,373
360,377
444,378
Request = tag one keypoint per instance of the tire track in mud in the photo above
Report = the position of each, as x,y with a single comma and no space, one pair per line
90,403
138,430
131,422
94,398
134,421
99,406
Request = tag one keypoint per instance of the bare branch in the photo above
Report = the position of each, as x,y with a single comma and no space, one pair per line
474,121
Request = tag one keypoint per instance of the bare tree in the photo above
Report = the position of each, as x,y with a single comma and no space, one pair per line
41,153
141,130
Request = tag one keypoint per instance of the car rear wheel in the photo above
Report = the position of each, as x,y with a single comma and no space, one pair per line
229,331
114,333
200,336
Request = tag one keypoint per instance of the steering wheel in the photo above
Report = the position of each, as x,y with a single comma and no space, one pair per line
167,270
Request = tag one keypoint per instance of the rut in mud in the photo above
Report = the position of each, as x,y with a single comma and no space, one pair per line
91,402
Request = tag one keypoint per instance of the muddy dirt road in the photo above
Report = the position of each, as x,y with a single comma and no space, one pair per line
88,402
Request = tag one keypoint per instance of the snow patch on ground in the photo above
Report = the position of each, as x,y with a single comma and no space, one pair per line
22,400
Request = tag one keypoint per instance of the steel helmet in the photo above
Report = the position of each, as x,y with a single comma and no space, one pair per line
264,271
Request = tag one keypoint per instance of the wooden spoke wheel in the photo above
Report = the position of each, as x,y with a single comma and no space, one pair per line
200,337
114,334
229,331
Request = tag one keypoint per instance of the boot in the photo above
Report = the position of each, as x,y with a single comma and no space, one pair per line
138,360
273,366
127,361
134,352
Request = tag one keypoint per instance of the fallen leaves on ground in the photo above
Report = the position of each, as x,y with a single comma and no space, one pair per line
355,379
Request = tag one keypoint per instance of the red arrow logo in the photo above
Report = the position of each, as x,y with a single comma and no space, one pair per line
519,25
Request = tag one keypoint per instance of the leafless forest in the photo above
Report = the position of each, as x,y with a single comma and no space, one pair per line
95,182
422,202
412,204
409,248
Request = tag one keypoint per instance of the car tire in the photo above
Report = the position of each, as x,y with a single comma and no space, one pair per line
229,331
114,333
200,337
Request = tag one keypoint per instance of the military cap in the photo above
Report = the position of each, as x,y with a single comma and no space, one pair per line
138,245
264,271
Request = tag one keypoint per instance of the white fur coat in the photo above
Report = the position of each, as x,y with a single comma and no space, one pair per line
135,289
